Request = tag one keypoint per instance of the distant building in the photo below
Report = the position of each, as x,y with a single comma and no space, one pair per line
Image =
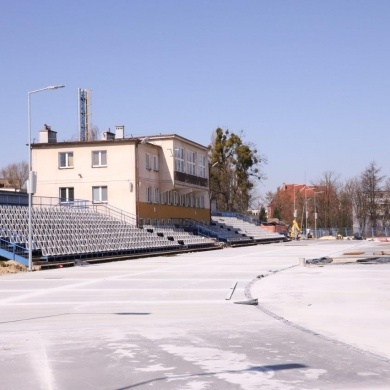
156,178
290,201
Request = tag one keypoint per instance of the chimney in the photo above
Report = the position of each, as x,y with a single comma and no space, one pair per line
120,132
47,135
108,136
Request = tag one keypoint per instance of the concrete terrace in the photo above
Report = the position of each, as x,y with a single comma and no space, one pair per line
165,323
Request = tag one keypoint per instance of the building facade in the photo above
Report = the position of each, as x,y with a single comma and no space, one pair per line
155,178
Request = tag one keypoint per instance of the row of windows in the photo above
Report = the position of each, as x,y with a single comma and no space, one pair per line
190,162
98,159
185,161
160,222
153,195
100,194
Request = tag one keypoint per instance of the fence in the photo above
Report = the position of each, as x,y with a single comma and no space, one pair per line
348,232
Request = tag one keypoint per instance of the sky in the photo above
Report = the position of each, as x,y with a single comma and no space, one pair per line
306,82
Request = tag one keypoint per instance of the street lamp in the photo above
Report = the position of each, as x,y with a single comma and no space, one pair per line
31,177
306,212
295,210
211,166
315,213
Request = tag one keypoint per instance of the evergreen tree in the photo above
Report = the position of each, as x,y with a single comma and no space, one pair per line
262,215
235,166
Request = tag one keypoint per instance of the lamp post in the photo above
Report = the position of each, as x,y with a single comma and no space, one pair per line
30,186
306,212
295,210
211,166
315,213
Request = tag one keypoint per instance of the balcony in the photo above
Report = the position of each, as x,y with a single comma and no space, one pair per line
190,179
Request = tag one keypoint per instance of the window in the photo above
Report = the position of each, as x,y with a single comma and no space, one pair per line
179,160
65,160
148,164
156,195
191,162
149,194
181,200
163,198
201,202
99,158
202,166
155,163
169,200
99,194
67,195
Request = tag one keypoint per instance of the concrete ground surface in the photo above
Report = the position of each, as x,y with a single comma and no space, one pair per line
165,322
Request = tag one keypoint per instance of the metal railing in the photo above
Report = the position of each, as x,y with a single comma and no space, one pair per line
348,232
113,212
102,208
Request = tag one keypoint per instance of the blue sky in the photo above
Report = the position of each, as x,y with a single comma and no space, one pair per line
308,82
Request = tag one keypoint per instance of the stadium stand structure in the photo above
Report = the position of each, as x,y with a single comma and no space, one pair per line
246,228
231,229
90,232
180,235
220,231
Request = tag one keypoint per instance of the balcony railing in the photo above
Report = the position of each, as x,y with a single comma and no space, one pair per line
191,179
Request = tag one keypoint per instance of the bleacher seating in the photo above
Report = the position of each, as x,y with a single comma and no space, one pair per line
180,235
224,233
85,232
248,229
65,232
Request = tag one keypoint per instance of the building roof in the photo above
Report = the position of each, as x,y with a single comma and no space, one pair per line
149,138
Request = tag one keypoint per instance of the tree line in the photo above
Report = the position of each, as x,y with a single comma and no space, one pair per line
362,202
14,175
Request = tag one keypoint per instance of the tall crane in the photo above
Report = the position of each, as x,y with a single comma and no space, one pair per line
84,99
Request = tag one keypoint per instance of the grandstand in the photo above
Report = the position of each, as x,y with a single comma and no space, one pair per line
220,231
98,232
232,229
180,235
232,222
84,231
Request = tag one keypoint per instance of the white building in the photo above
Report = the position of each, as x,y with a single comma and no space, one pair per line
156,178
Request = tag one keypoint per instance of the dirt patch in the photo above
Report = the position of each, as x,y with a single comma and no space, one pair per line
11,267
353,253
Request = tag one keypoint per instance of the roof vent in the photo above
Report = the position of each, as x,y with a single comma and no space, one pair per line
108,136
47,135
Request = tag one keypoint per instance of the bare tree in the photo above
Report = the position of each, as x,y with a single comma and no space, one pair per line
371,186
15,174
93,133
352,188
386,205
328,200
345,216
